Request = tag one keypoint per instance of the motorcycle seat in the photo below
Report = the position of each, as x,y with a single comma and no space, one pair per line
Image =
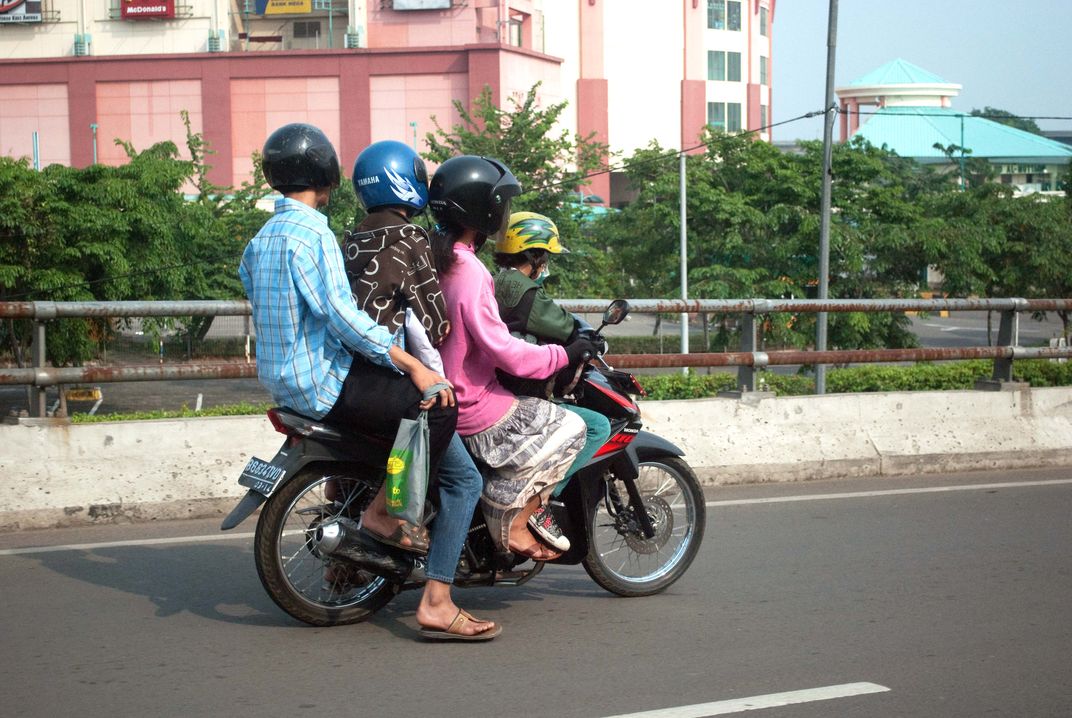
321,430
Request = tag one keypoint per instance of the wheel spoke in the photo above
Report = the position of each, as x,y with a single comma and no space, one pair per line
669,499
302,569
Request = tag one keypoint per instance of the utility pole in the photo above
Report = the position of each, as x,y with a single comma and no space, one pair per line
684,265
824,227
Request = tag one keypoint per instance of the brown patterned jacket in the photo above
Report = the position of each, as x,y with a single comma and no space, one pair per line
389,264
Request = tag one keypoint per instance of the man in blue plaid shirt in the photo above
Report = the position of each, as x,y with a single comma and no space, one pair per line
317,353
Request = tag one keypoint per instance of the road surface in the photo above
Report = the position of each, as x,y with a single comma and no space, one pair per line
940,595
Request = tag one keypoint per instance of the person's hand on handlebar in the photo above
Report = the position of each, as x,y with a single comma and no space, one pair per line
581,349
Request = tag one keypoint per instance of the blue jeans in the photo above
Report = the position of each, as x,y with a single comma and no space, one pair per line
597,431
459,484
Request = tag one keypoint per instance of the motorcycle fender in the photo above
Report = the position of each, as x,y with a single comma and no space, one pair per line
584,491
292,459
648,444
249,503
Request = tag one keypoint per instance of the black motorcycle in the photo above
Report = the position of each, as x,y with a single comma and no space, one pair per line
634,515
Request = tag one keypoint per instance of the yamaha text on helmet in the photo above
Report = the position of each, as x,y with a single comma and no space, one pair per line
390,173
298,157
473,193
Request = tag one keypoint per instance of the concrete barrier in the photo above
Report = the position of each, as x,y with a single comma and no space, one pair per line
63,474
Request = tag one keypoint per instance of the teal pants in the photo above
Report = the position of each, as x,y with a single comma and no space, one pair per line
596,434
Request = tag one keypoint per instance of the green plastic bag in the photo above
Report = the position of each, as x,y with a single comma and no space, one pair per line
407,470
407,466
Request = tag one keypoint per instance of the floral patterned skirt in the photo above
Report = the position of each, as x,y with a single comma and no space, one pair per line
526,453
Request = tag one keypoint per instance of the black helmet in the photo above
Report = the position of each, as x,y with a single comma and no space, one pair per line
299,156
473,192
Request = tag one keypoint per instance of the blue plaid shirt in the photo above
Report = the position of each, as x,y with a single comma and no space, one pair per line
306,320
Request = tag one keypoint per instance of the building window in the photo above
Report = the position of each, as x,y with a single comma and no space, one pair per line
716,115
733,14
733,116
723,66
306,28
733,66
519,30
725,116
763,21
716,65
716,14
763,118
763,78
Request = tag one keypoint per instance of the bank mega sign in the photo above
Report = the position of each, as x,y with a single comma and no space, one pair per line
20,10
284,7
144,9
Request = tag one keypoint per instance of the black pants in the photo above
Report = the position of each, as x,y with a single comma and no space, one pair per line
375,398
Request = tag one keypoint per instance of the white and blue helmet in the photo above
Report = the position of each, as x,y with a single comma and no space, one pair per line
390,173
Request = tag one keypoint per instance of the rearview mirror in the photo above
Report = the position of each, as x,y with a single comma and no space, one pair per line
616,312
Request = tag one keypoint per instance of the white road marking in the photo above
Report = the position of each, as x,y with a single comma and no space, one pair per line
709,504
118,544
771,700
886,492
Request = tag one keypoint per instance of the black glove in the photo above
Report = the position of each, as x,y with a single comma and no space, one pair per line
579,350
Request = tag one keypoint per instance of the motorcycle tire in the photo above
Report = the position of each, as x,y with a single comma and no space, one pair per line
620,559
311,588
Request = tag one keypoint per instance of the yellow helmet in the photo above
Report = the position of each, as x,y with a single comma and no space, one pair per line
528,230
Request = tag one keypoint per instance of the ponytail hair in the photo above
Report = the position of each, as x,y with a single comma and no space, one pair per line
442,241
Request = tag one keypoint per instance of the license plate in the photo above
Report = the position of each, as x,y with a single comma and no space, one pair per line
261,476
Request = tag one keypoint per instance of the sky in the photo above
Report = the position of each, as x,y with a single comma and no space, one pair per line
1008,54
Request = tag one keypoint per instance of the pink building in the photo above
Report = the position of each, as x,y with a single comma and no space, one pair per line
383,69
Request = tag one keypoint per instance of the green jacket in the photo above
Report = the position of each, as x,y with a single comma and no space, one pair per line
527,311
533,316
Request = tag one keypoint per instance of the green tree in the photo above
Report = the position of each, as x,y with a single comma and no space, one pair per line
224,219
753,230
344,210
550,164
1037,244
118,233
1007,118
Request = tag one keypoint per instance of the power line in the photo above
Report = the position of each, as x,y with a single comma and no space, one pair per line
672,154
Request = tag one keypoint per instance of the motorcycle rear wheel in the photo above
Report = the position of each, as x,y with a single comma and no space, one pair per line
620,559
309,587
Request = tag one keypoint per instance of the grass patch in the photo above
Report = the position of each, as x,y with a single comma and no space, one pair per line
920,377
243,409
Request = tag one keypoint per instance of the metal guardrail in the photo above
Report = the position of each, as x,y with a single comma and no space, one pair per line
748,359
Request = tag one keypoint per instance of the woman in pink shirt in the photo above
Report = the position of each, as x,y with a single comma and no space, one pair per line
527,443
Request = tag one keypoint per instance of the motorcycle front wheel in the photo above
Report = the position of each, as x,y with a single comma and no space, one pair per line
620,558
313,588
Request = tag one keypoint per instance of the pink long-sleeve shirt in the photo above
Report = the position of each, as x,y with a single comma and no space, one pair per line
479,343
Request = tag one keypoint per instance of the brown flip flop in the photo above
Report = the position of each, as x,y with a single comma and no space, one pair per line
454,631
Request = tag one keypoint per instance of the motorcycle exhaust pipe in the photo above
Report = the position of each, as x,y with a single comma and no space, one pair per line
340,539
